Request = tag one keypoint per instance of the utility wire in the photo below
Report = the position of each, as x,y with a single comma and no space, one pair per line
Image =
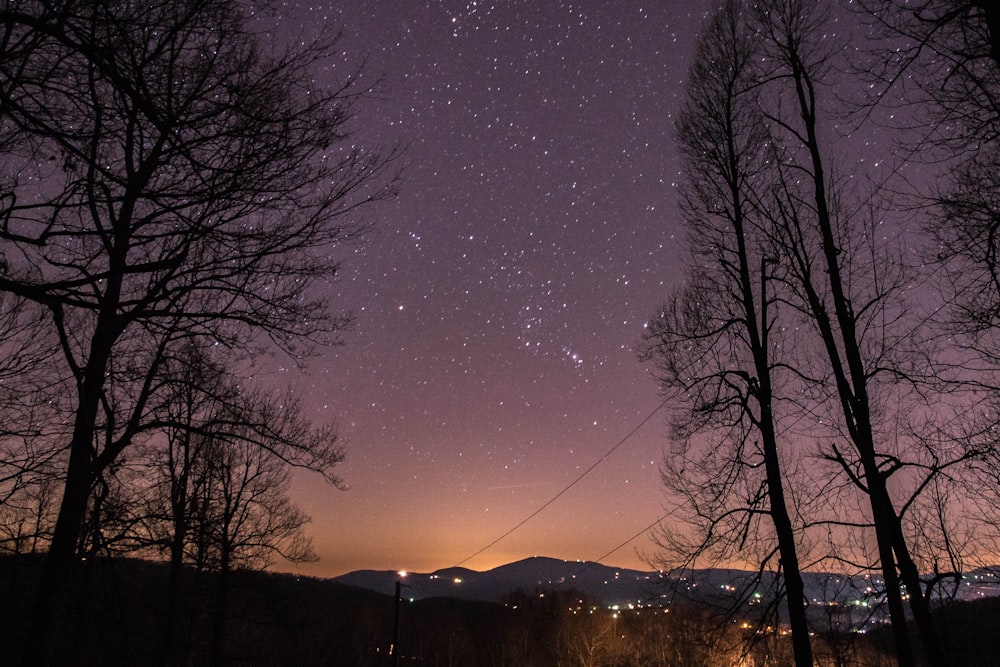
600,559
567,487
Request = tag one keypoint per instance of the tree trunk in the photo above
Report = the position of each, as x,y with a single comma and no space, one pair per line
221,601
174,576
61,559
852,386
59,563
80,474
794,586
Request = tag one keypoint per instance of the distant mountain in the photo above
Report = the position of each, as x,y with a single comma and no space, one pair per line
620,586
600,582
287,619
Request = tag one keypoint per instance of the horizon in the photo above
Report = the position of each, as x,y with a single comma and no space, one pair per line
631,320
499,296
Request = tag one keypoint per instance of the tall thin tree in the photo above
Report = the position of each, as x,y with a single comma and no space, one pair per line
715,345
854,302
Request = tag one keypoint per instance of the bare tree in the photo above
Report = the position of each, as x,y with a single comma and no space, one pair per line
246,518
218,471
27,513
717,344
186,183
802,254
944,74
196,389
30,427
851,289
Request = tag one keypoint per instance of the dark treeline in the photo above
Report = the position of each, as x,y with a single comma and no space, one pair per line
281,619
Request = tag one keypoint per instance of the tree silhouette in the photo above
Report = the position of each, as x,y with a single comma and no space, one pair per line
168,179
797,310
716,345
850,287
944,79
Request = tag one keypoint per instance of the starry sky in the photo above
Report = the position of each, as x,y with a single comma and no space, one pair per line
500,296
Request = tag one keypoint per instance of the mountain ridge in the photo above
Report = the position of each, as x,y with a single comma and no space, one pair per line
616,586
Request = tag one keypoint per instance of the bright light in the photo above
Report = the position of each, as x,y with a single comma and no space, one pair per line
402,573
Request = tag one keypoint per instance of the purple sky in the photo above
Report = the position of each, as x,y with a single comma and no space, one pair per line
501,294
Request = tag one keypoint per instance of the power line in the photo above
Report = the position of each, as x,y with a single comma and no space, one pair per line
567,487
600,559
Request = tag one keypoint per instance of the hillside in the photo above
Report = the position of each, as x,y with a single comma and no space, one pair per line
613,586
118,618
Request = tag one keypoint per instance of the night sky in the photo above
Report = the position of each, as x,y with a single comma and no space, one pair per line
501,294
